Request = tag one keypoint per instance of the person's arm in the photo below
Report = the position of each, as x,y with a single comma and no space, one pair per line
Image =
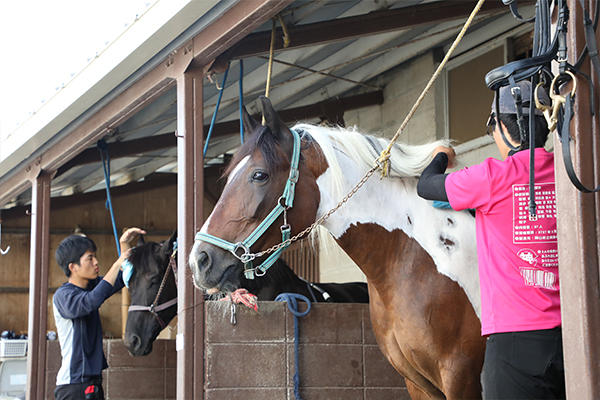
432,183
125,241
73,302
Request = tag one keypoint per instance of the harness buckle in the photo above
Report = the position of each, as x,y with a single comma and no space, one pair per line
294,175
245,257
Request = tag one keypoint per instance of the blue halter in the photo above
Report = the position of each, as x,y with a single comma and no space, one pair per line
241,250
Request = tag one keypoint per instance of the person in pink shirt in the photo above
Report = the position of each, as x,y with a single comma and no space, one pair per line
517,254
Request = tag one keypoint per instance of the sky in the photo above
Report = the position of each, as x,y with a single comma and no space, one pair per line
44,43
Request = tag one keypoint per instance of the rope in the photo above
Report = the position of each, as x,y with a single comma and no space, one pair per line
291,298
105,157
383,160
270,65
243,296
385,154
214,117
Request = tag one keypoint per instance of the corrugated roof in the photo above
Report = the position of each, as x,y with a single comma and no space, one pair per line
359,61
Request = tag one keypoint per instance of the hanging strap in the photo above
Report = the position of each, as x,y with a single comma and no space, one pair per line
214,117
565,138
241,100
105,157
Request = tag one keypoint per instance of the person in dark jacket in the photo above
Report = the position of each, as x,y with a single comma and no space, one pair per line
76,305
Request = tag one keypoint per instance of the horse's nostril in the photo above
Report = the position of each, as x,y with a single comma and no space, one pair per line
135,342
204,260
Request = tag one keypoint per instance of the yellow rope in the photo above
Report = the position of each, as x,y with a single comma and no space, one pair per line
286,33
384,157
270,65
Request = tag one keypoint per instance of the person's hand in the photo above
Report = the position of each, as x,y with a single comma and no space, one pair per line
129,236
449,152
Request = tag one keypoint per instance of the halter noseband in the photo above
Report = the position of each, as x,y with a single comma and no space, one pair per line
155,308
241,250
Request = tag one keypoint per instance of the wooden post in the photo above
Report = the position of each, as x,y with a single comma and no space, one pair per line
190,194
578,230
38,286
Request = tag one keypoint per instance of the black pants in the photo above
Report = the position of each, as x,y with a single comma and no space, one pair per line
524,365
76,391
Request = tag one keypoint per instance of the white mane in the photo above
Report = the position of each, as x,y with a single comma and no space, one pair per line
447,236
405,160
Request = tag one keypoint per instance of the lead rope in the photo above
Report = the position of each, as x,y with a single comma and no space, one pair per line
383,160
290,299
385,154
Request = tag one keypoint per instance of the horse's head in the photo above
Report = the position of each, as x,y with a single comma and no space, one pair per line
257,176
150,263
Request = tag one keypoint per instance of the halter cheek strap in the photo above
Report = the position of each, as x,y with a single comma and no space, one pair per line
241,250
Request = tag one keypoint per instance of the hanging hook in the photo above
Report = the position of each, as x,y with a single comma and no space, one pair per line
3,252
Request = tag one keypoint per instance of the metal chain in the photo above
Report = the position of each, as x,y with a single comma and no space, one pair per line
319,221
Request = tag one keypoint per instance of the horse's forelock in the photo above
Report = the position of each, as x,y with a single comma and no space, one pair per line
141,254
264,141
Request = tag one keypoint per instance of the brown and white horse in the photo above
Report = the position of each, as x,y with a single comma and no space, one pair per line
420,262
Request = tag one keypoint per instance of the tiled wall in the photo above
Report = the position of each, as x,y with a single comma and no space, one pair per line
127,378
255,359
338,355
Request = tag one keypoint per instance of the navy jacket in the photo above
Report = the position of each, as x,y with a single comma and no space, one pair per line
79,329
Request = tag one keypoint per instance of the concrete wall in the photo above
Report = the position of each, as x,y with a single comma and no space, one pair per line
152,377
254,359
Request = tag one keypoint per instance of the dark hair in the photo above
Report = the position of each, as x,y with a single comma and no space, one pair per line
541,129
71,249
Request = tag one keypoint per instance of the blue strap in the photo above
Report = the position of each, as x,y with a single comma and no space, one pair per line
105,157
241,100
214,117
291,298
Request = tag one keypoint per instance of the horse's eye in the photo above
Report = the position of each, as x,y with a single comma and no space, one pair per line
260,176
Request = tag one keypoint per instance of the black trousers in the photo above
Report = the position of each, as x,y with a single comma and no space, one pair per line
76,391
524,365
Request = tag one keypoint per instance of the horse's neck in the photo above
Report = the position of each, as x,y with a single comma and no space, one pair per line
278,279
393,204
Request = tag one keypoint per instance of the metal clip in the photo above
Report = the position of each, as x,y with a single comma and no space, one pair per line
558,100
3,252
233,310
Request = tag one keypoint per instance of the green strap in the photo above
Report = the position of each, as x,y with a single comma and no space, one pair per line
288,199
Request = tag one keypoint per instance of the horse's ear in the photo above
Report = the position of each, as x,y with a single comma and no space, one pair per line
278,128
166,248
250,124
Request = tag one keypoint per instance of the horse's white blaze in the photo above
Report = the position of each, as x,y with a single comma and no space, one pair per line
237,169
392,203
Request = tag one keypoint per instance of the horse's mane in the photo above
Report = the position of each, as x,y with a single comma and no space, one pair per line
405,160
140,254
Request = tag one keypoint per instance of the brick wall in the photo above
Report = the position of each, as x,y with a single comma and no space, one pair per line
254,359
151,377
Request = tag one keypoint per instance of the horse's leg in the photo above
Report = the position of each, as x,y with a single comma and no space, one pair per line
416,393
461,380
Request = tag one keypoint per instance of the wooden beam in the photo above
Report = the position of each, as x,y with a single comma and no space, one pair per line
328,109
38,284
357,26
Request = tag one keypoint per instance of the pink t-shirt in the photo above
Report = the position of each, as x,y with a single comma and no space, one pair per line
518,257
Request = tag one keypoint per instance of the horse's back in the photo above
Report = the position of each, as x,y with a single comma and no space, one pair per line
350,292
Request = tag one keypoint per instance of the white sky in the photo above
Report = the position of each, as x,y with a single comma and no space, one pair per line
43,43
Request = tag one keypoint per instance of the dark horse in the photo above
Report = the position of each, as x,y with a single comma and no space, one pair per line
420,262
151,266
